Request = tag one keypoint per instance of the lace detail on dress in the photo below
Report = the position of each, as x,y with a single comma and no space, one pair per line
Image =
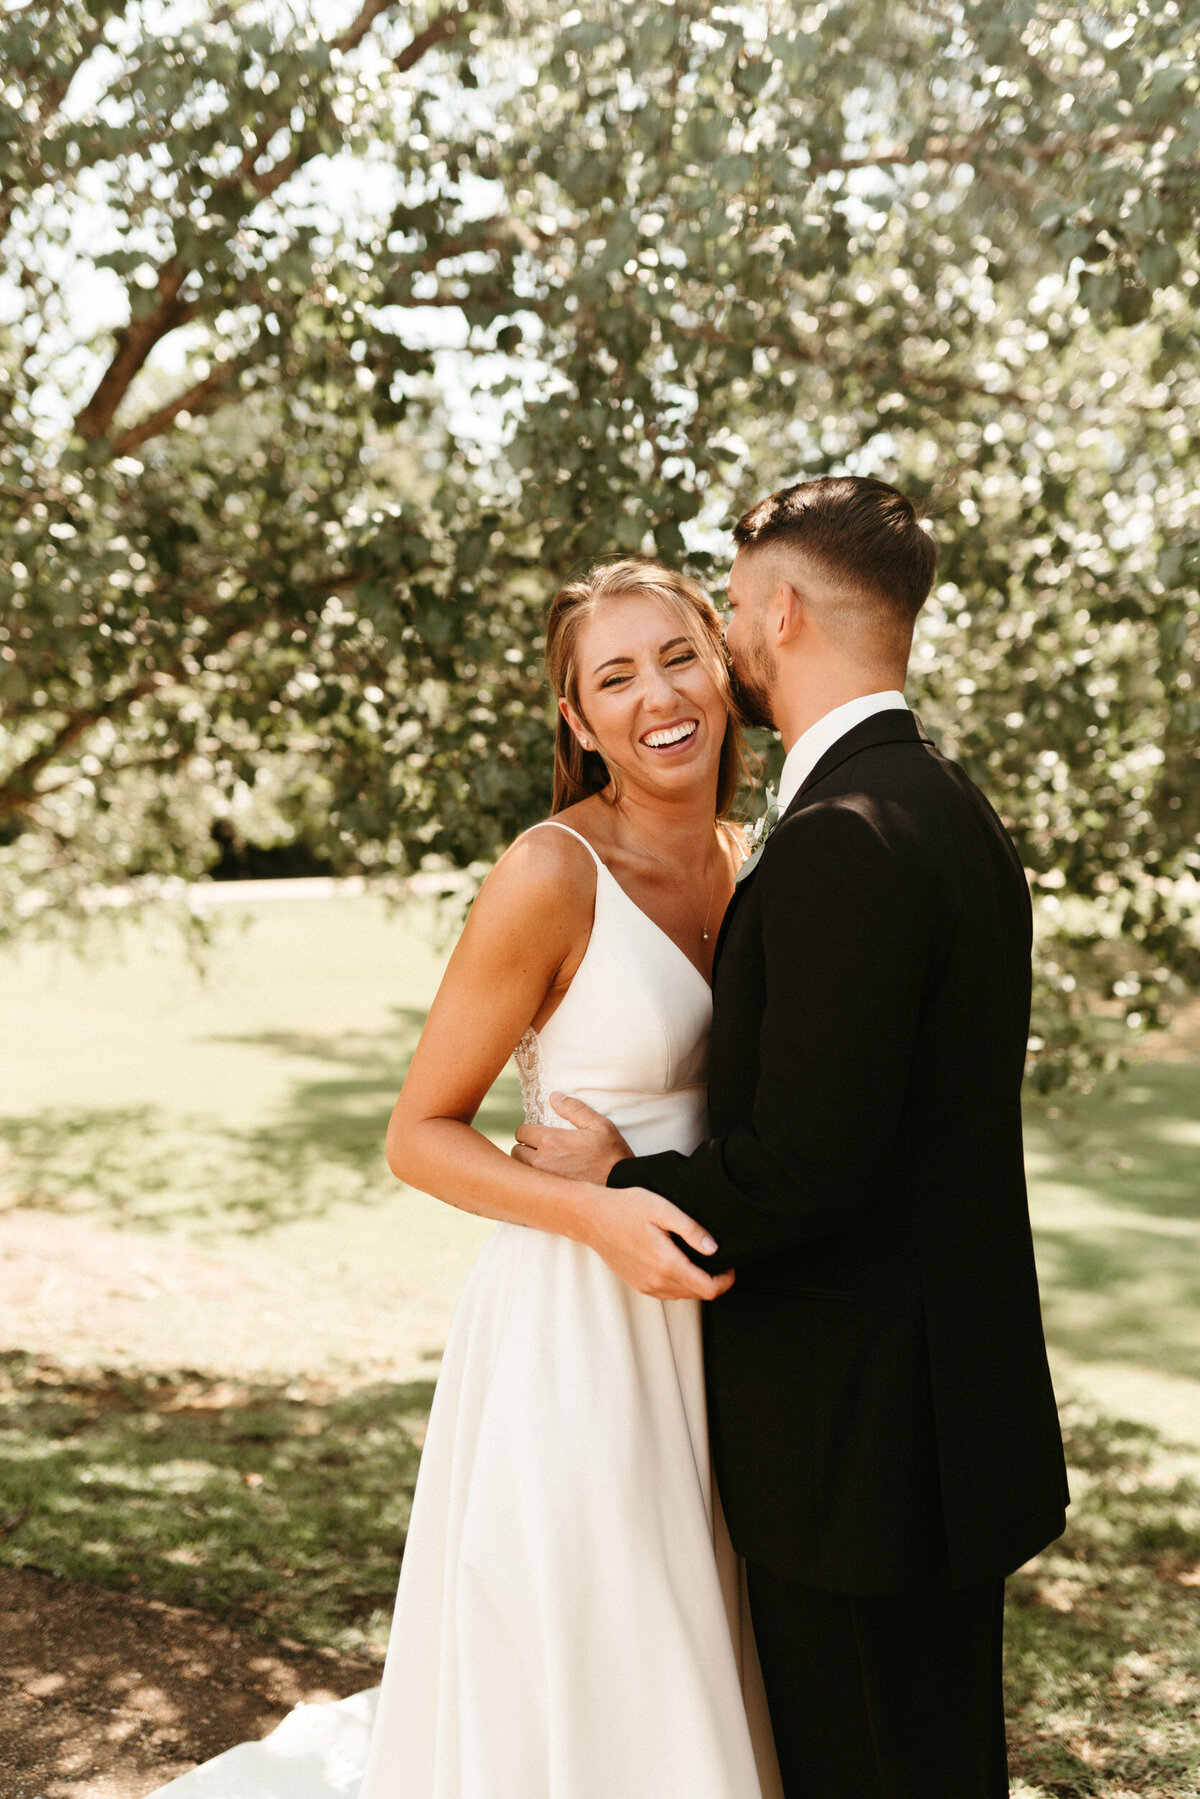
528,1058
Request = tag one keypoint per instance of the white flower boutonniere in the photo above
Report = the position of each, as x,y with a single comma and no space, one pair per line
756,835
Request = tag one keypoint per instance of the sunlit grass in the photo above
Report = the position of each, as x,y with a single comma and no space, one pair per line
282,1507
1103,1662
1115,1198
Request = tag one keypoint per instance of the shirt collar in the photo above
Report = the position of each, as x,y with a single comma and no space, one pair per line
808,749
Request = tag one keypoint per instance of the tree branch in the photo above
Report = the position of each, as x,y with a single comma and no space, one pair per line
441,28
134,344
18,793
501,234
136,340
358,28
967,149
202,396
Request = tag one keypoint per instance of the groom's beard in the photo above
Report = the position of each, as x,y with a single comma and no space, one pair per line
752,681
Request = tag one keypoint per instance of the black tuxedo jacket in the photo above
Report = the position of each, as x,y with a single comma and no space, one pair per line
881,1408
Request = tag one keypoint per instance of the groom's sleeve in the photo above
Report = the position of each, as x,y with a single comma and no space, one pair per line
845,949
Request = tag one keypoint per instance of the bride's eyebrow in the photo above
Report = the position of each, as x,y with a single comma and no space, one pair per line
612,662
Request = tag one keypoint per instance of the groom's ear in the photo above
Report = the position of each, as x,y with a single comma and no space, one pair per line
787,610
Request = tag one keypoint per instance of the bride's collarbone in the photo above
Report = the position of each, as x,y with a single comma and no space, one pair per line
660,892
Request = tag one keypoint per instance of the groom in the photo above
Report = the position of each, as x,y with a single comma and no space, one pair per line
884,1429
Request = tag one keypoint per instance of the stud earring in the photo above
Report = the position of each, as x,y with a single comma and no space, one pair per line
587,743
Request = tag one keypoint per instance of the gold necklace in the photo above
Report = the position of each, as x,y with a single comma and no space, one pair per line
701,922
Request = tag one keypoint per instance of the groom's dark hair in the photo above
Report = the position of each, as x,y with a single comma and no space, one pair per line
865,534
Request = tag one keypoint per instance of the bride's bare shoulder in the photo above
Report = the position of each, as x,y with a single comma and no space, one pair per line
546,873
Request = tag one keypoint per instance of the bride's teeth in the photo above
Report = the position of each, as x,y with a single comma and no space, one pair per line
657,740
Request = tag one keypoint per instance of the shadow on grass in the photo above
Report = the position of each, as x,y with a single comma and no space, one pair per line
135,1165
1133,1141
275,1506
1115,1193
1102,1652
284,1509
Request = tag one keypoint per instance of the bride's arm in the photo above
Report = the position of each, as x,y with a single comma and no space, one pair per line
522,941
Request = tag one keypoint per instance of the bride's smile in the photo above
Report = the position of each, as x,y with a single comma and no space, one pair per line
671,737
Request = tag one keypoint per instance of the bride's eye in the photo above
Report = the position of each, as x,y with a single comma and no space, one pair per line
684,657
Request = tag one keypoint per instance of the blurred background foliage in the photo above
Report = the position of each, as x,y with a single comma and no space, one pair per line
332,335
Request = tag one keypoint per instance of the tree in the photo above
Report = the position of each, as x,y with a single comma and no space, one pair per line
269,548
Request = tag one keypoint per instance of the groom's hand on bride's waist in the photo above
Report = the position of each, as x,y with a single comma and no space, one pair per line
588,1152
638,1233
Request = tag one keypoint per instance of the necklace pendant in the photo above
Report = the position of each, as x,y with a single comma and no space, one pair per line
704,934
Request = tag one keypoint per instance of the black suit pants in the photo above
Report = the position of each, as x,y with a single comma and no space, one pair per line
895,1697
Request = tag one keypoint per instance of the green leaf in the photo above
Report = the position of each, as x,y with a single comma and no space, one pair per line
1100,293
1160,264
751,75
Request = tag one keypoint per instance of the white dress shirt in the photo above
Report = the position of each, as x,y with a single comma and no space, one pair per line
808,749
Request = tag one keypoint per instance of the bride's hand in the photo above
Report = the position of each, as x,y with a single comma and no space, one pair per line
632,1229
586,1153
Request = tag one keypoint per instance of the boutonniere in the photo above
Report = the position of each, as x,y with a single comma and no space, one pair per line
756,835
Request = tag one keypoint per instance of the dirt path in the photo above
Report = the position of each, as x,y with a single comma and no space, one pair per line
107,1696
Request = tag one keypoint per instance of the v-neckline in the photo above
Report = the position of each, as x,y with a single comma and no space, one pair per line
652,922
602,865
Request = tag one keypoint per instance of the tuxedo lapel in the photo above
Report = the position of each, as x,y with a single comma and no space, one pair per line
730,909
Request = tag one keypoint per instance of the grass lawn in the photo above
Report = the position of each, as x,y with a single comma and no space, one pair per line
200,1159
220,1317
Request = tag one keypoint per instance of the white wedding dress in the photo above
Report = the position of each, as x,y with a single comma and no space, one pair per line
571,1621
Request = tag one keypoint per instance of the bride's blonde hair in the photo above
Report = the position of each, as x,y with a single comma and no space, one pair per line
579,772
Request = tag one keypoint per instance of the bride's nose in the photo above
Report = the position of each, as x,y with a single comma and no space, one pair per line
658,691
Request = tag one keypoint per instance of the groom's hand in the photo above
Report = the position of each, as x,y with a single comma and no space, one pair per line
587,1153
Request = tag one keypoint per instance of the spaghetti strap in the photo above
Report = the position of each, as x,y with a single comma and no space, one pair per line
723,824
553,824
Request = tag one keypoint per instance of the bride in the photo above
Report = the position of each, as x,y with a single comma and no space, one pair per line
571,1620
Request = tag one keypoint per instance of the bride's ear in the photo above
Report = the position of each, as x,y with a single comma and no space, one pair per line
577,725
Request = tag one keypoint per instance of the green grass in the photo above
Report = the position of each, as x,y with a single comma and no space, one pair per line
281,1507
240,1117
238,1113
224,1099
158,1167
1115,1198
1103,1652
1117,1203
